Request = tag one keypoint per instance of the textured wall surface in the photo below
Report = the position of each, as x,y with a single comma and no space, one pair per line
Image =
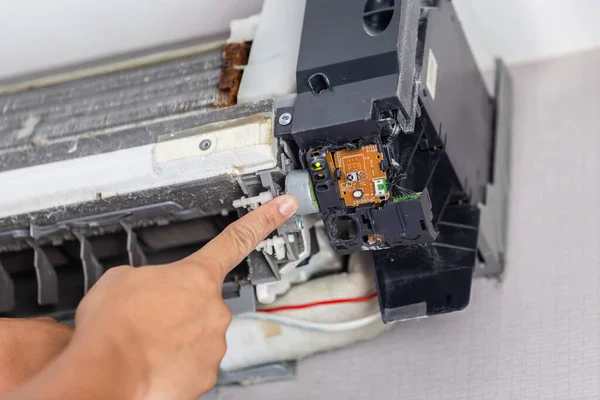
536,335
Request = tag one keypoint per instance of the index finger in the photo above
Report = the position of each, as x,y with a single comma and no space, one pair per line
240,238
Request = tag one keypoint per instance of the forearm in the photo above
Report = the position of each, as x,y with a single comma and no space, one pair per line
87,370
26,347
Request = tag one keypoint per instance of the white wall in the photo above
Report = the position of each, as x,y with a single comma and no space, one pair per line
527,30
41,34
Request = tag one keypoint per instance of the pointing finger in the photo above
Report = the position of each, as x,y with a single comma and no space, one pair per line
240,238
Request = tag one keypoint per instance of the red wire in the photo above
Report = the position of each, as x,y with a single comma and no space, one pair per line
320,303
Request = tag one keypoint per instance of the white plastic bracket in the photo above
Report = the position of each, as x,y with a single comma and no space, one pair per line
253,202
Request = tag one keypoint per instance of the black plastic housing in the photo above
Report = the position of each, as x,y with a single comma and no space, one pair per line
363,74
408,81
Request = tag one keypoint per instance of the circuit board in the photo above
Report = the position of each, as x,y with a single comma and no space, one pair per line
359,175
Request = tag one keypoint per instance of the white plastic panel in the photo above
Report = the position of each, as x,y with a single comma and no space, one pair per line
271,69
234,151
243,30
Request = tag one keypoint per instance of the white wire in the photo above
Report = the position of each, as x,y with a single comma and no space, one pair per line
313,326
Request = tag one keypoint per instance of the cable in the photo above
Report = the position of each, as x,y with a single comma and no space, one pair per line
319,303
312,326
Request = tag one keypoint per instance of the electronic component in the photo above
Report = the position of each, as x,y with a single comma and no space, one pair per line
360,169
316,166
381,188
374,238
352,177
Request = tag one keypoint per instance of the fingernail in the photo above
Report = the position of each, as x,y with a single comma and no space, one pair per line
288,206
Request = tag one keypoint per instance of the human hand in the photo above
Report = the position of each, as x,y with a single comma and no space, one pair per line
28,345
167,323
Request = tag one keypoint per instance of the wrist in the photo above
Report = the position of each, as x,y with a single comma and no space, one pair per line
90,368
104,360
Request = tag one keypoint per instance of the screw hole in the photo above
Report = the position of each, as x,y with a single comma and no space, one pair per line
319,177
378,16
323,187
318,83
205,144
344,228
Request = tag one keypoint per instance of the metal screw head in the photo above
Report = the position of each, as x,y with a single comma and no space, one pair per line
285,119
205,144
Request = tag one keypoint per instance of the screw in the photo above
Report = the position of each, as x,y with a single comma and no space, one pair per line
205,144
285,119
299,223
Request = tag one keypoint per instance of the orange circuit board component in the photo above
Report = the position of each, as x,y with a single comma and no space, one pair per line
359,175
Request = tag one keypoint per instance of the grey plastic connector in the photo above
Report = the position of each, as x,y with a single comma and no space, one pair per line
299,184
7,291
